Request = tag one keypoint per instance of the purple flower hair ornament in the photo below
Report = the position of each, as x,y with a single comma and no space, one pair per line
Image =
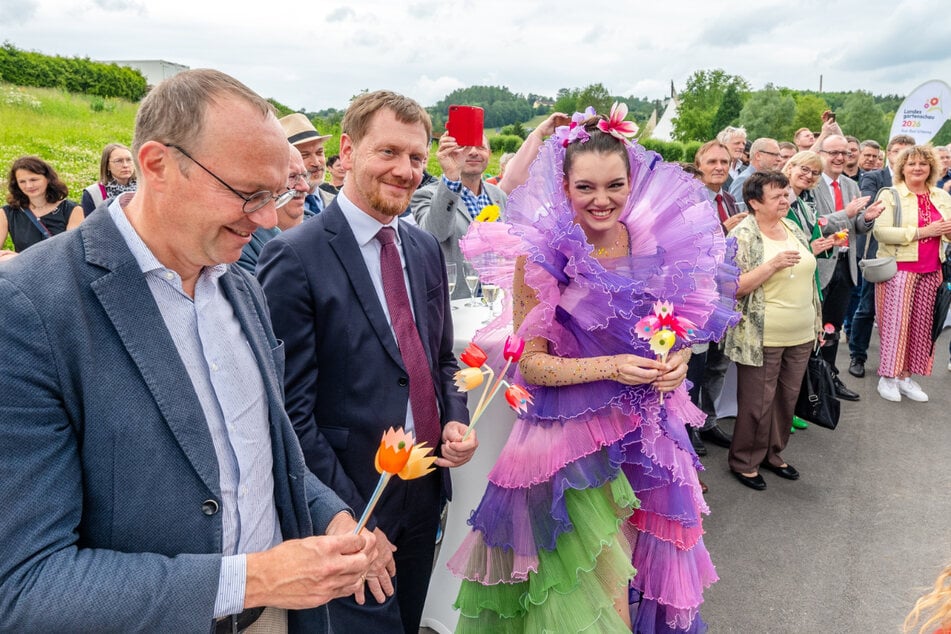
575,130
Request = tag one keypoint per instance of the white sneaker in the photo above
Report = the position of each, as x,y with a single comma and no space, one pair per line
888,389
912,390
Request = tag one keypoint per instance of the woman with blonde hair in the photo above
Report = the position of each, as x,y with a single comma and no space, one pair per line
935,607
905,303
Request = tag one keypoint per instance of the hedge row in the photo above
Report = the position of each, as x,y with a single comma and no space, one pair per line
26,68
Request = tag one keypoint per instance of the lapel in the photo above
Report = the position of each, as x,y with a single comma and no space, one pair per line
127,300
345,247
824,203
416,271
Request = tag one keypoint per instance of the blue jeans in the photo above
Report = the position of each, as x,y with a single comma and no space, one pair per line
862,321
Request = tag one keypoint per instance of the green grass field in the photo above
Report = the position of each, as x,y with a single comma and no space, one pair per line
69,131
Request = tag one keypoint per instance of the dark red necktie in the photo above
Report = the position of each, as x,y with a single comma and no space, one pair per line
422,393
839,205
721,209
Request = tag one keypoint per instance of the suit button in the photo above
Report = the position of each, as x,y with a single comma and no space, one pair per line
209,507
403,381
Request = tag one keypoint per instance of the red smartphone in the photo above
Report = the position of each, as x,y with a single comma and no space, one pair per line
466,124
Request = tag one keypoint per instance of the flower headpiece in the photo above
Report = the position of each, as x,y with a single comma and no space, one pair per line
575,131
616,126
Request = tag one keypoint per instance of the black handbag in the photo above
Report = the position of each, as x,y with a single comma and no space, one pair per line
817,402
942,302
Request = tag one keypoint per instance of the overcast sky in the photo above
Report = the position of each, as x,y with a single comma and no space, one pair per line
316,55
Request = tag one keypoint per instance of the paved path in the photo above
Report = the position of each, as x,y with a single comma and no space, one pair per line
851,545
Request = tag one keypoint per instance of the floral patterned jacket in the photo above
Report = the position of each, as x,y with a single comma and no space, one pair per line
744,342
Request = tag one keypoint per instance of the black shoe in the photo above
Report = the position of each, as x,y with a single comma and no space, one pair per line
843,392
857,368
757,483
698,445
717,436
789,472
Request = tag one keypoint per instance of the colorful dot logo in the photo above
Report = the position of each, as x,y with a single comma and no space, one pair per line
933,104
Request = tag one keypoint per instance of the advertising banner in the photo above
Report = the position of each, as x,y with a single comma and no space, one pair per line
923,112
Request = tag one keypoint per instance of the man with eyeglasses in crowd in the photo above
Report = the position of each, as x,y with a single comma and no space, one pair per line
302,134
289,214
764,156
860,328
840,202
151,477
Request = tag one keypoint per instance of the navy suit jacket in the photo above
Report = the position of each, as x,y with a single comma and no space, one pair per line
345,380
108,476
870,184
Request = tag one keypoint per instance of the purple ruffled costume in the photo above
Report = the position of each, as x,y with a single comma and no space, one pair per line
551,539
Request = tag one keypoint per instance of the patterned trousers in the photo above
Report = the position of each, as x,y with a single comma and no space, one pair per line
905,305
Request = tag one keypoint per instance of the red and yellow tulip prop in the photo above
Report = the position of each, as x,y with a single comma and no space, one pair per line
471,377
661,329
398,455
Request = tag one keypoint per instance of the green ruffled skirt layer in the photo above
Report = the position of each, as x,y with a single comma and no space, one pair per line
577,584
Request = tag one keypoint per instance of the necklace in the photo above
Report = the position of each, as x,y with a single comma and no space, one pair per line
619,241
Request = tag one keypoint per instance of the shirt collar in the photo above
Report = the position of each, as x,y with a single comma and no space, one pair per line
363,226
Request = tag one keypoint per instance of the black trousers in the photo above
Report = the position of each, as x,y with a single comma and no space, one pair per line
835,303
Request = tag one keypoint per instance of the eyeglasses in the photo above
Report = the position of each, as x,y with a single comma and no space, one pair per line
122,161
808,171
769,153
252,203
293,178
833,153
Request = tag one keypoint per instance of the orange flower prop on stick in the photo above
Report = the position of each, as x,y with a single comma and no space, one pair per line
469,378
398,455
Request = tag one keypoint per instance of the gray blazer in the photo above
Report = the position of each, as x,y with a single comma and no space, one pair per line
110,490
444,214
837,221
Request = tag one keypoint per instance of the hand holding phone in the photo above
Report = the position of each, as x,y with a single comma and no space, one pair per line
466,125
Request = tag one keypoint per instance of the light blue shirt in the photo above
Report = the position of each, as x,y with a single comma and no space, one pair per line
226,378
364,230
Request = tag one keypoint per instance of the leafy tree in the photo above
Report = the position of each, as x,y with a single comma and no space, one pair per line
860,116
809,109
566,100
768,113
728,113
595,95
700,100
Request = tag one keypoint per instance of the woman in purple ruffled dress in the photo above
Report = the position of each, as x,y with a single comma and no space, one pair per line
600,465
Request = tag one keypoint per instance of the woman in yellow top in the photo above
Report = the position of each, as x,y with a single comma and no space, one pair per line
771,345
905,303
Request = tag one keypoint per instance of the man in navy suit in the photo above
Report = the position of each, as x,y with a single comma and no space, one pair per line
150,479
361,360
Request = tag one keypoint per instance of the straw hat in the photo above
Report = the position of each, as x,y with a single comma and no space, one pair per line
299,129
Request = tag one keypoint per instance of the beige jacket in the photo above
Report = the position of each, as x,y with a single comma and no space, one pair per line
900,242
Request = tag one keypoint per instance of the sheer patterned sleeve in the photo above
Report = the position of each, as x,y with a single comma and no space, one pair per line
537,365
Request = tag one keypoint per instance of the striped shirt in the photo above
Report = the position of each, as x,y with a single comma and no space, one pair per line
226,378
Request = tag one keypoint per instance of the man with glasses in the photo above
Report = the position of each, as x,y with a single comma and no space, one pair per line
289,214
860,329
302,134
840,202
764,156
151,477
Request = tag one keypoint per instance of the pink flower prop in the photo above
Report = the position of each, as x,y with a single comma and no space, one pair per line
823,221
663,318
615,125
514,346
828,329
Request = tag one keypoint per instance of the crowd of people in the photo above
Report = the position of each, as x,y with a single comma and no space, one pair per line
212,480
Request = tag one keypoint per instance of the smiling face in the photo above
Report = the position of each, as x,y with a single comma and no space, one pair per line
315,160
597,186
803,177
834,153
386,165
477,159
202,223
291,214
915,172
737,146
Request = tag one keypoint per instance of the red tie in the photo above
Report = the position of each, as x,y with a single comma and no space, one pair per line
422,394
839,205
721,209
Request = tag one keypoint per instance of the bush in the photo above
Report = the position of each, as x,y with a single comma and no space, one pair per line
672,151
690,151
505,143
73,74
